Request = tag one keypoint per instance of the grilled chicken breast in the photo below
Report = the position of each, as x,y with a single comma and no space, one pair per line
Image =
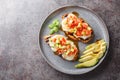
63,47
76,28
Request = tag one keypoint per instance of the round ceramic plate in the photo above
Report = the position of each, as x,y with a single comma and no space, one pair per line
92,19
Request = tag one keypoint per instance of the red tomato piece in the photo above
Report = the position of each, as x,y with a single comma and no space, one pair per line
63,39
78,33
54,40
79,29
75,50
87,32
72,22
68,46
85,25
62,43
69,25
84,30
70,53
90,32
60,51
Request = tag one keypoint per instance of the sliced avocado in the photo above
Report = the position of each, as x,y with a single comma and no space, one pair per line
104,48
103,43
102,40
89,63
90,46
88,50
87,58
96,49
89,53
94,44
92,54
100,54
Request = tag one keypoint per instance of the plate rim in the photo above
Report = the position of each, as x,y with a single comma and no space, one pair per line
106,30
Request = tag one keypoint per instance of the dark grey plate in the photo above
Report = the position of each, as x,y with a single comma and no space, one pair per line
57,62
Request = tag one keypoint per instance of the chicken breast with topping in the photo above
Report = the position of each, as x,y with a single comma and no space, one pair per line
76,28
63,47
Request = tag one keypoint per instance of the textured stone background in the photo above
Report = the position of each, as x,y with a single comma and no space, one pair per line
20,21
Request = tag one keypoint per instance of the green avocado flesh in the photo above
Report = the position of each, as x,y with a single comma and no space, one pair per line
89,63
92,54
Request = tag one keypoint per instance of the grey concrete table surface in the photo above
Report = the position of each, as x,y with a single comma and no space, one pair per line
20,21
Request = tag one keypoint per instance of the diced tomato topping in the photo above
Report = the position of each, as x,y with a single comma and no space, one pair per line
65,49
75,50
63,39
87,32
62,43
85,25
84,30
72,21
73,24
70,53
68,46
60,51
90,32
54,40
78,33
70,25
79,29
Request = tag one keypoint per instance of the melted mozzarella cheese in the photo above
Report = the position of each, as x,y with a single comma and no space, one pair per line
65,25
65,56
52,44
84,37
54,49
